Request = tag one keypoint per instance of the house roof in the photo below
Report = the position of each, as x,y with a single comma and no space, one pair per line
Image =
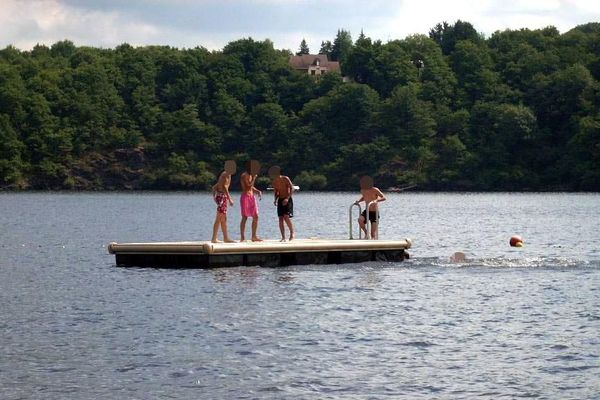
304,61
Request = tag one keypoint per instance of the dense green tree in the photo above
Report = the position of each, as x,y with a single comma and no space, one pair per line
326,48
12,93
452,111
473,66
11,151
64,49
296,89
437,78
228,114
344,115
501,139
561,97
584,153
447,36
451,164
303,48
183,131
309,180
359,63
266,135
354,161
560,100
342,45
391,66
411,127
521,55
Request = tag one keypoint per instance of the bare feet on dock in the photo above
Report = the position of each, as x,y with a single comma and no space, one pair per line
283,240
215,241
292,236
256,239
229,241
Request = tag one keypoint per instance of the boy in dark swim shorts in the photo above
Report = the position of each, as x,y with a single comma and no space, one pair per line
283,188
371,196
285,209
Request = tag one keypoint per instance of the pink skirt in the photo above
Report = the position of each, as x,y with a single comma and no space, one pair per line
249,205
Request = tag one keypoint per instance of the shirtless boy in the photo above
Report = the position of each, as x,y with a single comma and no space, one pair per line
283,188
370,194
222,197
248,203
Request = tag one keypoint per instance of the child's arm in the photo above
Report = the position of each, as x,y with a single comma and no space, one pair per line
228,194
380,196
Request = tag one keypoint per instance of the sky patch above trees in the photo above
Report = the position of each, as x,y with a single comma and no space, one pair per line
214,23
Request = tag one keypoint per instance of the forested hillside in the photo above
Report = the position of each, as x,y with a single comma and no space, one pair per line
519,110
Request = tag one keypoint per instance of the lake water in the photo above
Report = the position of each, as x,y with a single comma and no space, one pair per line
507,323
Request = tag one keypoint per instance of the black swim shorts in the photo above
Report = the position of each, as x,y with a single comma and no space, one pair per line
373,216
287,209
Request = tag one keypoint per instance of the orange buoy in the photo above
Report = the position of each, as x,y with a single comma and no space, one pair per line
516,241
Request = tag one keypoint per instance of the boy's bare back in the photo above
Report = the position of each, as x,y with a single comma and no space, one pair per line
370,195
282,186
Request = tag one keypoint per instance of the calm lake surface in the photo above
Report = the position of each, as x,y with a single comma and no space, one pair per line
507,323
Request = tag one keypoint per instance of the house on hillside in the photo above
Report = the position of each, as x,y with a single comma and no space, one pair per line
314,64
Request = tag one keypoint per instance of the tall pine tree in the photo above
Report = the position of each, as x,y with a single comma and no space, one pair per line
303,48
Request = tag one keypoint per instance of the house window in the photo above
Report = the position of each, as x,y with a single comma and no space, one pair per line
312,72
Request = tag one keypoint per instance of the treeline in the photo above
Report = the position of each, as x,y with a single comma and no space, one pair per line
449,111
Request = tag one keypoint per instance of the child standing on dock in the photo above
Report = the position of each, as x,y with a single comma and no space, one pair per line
370,195
248,203
222,197
283,189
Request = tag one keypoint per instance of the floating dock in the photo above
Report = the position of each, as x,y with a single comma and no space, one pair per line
268,253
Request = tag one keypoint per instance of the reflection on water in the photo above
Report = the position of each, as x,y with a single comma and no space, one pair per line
504,322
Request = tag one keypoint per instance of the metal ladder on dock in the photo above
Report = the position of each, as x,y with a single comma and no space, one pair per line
367,222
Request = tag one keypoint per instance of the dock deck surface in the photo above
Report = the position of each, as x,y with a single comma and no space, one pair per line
204,254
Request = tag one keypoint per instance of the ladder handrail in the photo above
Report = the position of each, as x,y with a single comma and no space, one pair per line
350,220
